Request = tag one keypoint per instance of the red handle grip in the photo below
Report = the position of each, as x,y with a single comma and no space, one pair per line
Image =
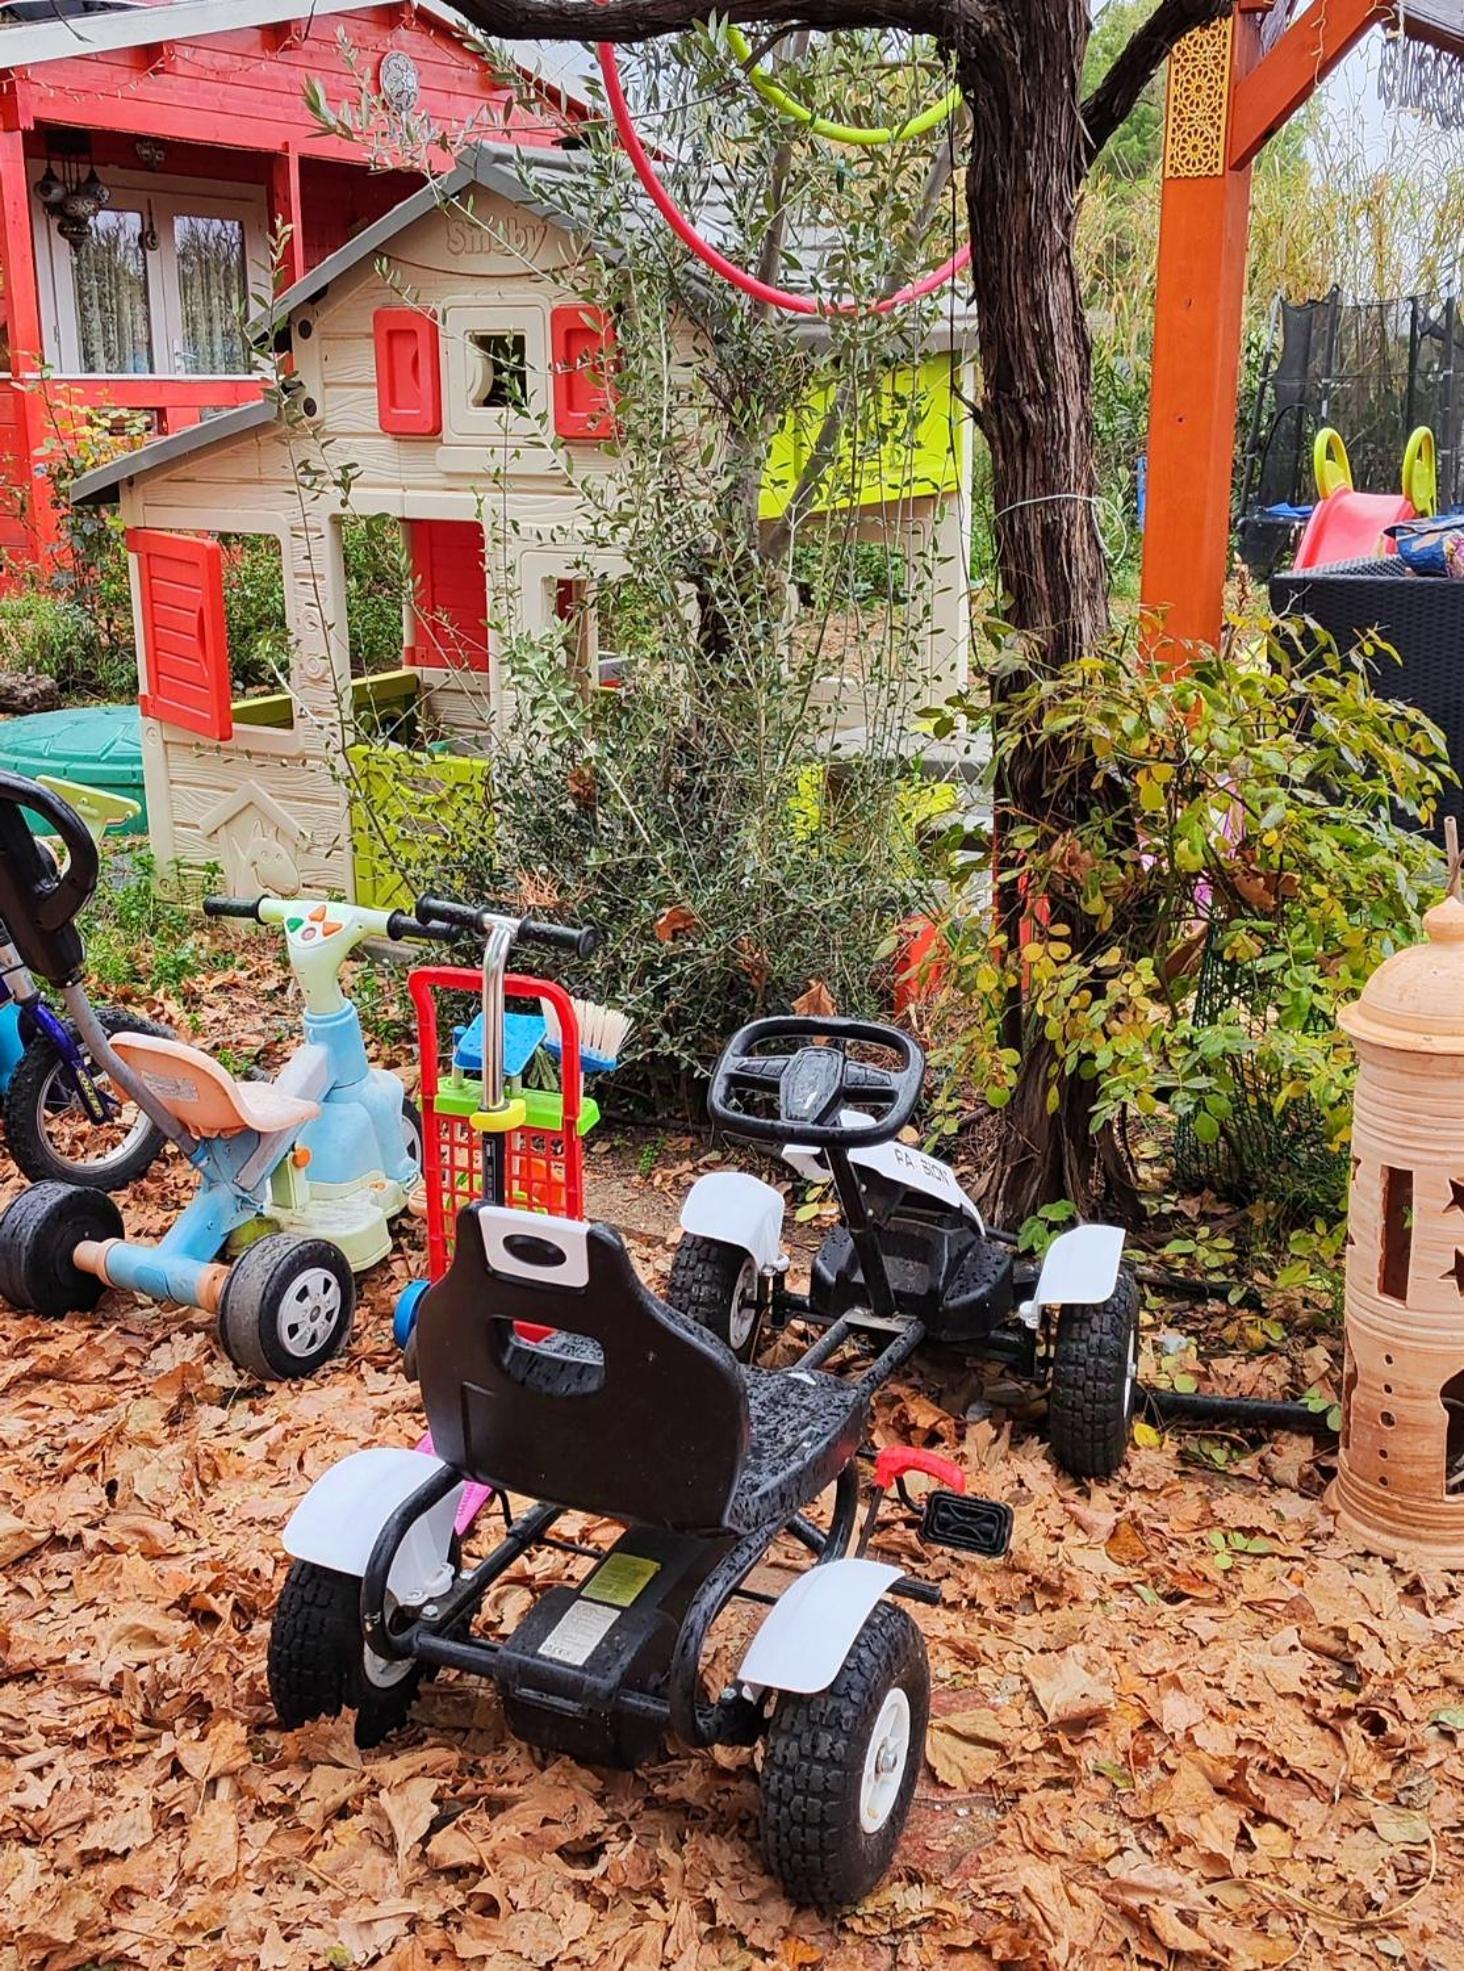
896,1459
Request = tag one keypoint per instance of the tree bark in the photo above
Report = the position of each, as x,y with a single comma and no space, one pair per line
1028,156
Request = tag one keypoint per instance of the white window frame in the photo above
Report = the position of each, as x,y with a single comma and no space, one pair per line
464,419
170,199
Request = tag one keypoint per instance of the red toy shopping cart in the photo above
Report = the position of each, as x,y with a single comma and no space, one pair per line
543,1154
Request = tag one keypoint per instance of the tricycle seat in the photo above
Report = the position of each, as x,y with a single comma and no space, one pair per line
628,1409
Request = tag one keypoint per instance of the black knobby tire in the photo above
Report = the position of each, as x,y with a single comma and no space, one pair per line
279,1318
38,1234
813,1767
31,1099
709,1283
317,1663
1091,1400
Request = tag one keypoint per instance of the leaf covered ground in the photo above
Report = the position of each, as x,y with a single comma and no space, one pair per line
1182,1723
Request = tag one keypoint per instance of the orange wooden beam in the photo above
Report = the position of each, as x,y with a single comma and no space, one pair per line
1204,233
1266,99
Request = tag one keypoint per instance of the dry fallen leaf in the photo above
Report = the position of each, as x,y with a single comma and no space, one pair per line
1069,1691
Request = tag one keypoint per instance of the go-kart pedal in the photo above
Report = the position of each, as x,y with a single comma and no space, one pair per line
971,1526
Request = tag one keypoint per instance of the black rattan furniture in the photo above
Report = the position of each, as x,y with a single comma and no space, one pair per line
1420,616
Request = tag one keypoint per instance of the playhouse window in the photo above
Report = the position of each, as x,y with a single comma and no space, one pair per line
212,293
502,382
113,319
258,630
160,287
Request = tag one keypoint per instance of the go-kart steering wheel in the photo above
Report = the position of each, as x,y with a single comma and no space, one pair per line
790,1078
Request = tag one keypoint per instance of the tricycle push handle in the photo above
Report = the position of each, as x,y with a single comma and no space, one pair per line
583,941
37,902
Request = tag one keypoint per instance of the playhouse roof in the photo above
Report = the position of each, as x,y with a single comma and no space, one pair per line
551,194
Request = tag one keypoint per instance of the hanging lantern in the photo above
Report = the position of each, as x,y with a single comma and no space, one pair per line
1399,1488
50,189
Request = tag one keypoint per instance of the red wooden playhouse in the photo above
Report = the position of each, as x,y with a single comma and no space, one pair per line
150,155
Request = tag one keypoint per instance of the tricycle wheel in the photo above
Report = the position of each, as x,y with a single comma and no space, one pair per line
716,1285
50,1134
1095,1382
840,1766
38,1234
319,1664
286,1306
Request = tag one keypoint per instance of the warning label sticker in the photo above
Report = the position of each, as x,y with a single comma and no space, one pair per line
620,1579
575,1636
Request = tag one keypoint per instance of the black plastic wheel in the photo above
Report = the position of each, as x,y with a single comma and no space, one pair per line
412,1140
716,1285
1095,1362
286,1306
38,1234
318,1665
840,1767
53,1139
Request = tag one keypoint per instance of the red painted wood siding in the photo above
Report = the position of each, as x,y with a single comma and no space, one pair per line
247,88
450,572
185,634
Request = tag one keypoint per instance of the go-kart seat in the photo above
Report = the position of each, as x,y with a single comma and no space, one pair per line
628,1408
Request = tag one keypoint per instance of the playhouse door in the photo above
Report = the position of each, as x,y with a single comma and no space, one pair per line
450,577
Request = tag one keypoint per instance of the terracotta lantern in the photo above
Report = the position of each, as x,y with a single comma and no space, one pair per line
1400,1479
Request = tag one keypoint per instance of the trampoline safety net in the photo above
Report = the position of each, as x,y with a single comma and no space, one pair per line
1373,370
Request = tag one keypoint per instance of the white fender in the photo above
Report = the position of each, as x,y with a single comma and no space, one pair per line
738,1209
811,1628
1081,1267
336,1523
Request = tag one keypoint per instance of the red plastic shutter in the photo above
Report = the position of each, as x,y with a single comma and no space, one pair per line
582,347
408,372
185,632
450,575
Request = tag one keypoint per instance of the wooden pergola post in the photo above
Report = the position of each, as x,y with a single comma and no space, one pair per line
1224,102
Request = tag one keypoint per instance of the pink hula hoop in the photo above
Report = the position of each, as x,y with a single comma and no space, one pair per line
776,297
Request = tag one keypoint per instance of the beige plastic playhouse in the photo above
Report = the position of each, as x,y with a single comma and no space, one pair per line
444,357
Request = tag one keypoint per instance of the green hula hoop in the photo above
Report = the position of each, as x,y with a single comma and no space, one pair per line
823,126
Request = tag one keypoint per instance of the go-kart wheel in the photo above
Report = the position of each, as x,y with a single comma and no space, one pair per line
286,1306
39,1233
412,1140
51,1136
716,1285
319,1664
1095,1382
840,1766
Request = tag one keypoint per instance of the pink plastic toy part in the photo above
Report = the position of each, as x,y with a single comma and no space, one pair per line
1348,526
475,1496
775,297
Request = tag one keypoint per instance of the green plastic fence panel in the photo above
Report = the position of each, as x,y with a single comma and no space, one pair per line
904,444
409,811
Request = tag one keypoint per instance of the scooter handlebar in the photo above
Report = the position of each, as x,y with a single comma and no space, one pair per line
582,940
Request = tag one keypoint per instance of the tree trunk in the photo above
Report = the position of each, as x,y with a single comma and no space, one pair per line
1028,157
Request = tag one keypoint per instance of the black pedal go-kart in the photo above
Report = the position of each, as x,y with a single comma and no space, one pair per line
913,1257
630,1413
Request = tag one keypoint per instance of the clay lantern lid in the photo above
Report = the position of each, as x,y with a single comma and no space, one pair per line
1414,1001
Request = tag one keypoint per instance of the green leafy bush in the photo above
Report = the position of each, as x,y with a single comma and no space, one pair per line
1256,803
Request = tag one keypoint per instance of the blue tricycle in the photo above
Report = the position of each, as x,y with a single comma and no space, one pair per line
300,1176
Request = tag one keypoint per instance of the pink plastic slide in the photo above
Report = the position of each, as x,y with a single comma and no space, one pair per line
1348,526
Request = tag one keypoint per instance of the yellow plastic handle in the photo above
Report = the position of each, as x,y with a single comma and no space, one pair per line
1330,464
1421,472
